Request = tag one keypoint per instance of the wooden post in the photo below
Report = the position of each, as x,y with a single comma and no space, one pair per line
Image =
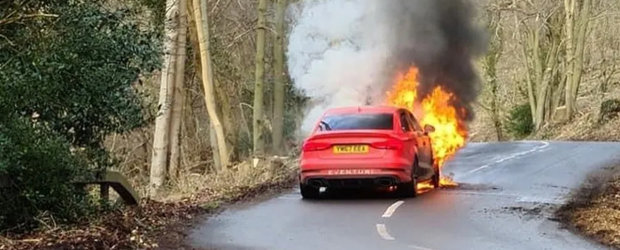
104,191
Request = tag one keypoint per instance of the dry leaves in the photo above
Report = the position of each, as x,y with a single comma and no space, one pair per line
598,216
148,226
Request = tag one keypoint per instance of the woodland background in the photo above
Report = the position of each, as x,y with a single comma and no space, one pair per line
187,97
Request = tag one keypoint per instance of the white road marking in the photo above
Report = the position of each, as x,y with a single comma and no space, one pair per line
512,156
383,232
391,209
418,247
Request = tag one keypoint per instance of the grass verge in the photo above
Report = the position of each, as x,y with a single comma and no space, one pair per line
156,224
594,210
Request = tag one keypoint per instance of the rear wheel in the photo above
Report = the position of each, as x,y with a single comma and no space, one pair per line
309,192
436,179
409,189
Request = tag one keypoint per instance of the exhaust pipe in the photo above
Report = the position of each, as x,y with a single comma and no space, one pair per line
316,183
384,182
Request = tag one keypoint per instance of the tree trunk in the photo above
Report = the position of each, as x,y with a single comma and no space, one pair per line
280,80
202,30
166,93
541,43
257,117
538,81
527,43
569,10
179,93
490,61
578,47
217,163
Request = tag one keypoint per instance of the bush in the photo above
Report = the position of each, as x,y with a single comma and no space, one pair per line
39,168
65,84
609,110
519,123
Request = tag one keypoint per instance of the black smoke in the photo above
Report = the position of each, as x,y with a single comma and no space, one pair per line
442,40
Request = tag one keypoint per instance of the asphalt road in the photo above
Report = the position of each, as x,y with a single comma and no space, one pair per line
508,194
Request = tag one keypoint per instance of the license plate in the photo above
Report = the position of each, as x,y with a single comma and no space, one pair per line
350,149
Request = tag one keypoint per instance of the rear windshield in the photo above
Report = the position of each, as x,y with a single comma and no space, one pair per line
357,122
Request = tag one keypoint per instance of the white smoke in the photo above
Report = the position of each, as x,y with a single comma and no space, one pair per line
346,52
336,55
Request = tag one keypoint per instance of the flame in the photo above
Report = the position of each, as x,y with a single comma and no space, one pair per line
435,109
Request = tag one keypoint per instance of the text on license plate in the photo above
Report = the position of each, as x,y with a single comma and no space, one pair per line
352,171
350,149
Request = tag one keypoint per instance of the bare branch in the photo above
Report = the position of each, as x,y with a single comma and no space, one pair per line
26,16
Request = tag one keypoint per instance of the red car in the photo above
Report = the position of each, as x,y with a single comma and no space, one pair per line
367,147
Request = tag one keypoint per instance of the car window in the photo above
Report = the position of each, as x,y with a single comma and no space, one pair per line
416,124
405,123
380,121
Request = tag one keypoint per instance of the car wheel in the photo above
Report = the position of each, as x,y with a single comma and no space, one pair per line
436,181
309,192
409,189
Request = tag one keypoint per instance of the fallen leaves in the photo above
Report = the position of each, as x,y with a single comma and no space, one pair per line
153,224
598,214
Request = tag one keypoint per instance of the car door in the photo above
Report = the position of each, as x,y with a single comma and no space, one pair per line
425,153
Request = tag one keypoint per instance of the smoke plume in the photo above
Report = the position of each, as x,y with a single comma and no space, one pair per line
347,52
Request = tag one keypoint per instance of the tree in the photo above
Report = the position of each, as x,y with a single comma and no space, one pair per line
280,79
489,64
179,95
202,31
161,135
66,74
541,40
577,20
257,117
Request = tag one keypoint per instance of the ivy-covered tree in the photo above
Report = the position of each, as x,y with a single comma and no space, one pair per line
66,75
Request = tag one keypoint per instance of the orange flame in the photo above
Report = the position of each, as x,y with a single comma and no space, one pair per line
435,109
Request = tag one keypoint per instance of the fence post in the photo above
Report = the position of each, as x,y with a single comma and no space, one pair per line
104,191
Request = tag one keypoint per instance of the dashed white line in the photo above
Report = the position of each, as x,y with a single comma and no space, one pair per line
391,209
382,230
418,247
510,157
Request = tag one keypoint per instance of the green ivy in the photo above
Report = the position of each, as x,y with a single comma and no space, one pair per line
66,82
519,122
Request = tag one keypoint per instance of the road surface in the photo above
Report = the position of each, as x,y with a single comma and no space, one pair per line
508,195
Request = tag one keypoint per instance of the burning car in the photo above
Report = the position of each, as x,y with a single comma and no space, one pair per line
358,147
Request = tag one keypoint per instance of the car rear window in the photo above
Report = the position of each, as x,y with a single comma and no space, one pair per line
357,122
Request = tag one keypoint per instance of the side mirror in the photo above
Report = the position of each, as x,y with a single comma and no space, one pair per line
429,129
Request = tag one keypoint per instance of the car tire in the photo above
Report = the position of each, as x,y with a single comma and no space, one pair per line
309,192
409,189
436,180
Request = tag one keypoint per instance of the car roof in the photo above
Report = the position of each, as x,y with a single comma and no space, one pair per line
362,109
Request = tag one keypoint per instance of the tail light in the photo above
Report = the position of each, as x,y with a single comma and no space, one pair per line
315,146
392,144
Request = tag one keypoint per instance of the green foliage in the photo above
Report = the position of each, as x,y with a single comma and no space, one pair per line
65,83
609,110
76,72
519,123
39,168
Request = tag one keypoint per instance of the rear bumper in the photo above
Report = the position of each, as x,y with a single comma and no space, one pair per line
377,170
354,178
